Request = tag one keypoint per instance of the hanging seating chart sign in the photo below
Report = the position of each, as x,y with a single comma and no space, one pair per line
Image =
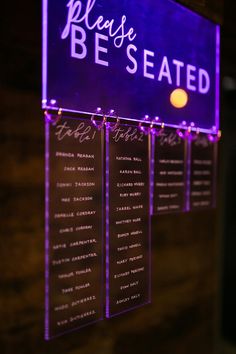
127,220
170,172
130,93
203,173
74,245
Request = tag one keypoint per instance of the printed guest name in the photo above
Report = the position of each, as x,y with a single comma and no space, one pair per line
75,184
75,288
130,184
79,243
73,259
73,214
76,318
72,274
133,297
78,168
129,285
74,155
75,229
128,158
129,272
128,208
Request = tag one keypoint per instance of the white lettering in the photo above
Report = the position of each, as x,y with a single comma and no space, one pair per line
165,71
98,49
75,16
147,64
203,76
76,41
190,77
132,59
179,65
86,14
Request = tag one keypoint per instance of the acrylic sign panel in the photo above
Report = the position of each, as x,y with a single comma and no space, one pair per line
169,172
74,243
203,173
127,220
131,56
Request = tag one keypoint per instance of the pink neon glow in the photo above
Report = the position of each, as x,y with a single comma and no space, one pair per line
107,227
188,174
217,89
47,127
44,50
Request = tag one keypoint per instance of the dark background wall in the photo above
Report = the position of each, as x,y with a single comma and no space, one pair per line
228,173
183,317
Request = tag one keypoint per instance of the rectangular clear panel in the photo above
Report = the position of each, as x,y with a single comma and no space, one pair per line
138,52
169,172
74,229
127,220
203,173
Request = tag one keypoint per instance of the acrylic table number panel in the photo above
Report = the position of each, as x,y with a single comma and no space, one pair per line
127,220
169,172
74,226
203,173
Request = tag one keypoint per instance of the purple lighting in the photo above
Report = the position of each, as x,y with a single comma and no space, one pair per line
180,134
128,75
107,227
53,102
155,131
214,138
117,231
171,41
217,89
151,203
44,52
47,242
188,145
145,130
53,284
152,162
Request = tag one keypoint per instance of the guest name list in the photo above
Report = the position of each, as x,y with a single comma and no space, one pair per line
169,173
128,223
74,239
202,178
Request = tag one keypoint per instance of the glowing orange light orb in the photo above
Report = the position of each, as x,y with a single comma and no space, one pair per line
179,98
